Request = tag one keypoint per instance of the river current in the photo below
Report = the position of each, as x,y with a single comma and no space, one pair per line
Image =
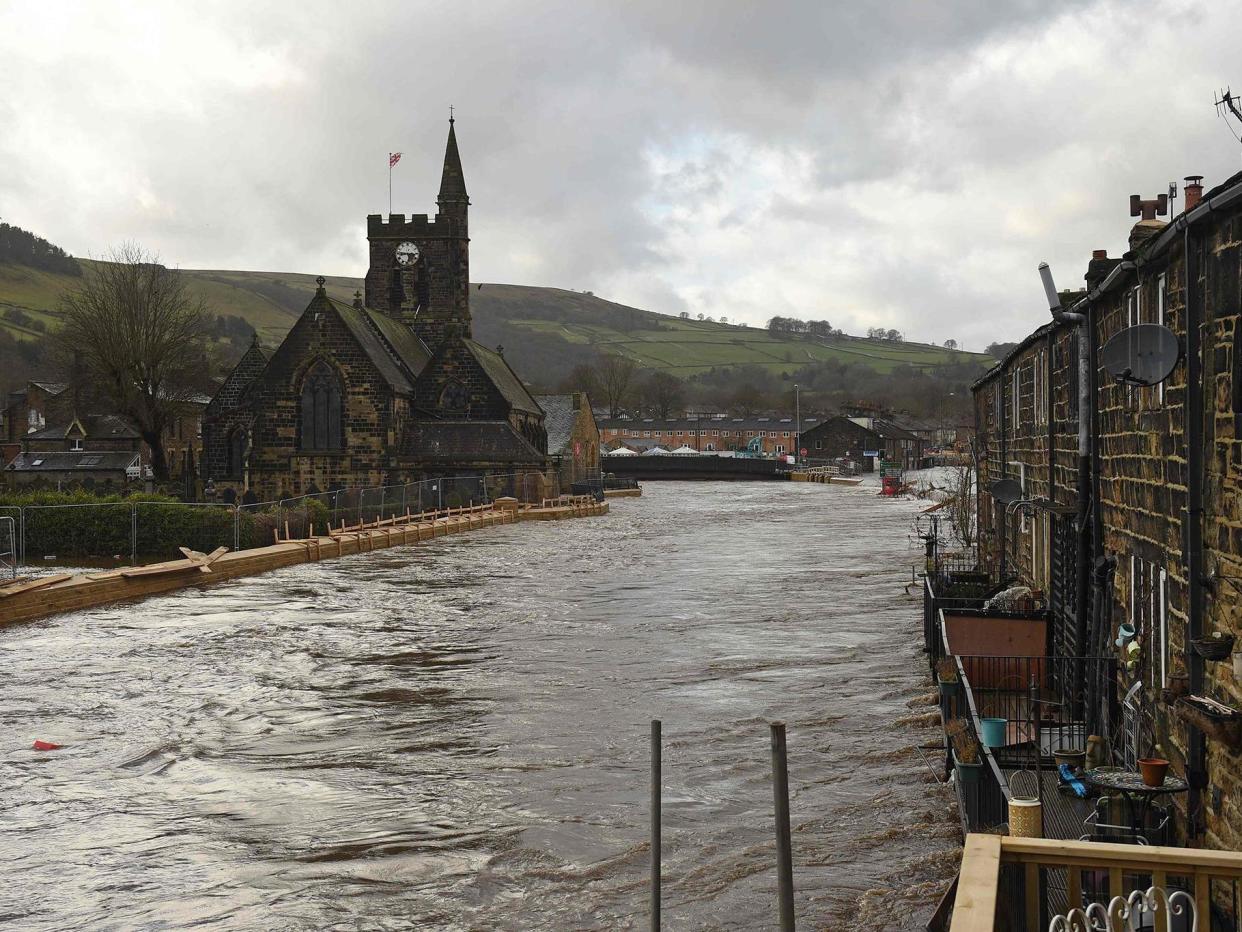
455,735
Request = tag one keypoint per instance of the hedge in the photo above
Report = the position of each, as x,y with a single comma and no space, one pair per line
103,526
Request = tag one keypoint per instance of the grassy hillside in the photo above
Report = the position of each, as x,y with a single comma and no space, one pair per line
544,330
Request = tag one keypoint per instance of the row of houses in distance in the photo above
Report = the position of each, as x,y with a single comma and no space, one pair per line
861,436
1136,543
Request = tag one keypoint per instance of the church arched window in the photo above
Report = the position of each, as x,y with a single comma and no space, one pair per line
321,409
239,440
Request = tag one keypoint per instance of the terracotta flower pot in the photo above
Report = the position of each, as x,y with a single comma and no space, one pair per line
1153,770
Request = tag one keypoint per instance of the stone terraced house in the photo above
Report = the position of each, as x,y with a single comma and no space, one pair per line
387,389
1160,539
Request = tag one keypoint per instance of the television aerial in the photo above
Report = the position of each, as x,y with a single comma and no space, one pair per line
1144,354
1229,105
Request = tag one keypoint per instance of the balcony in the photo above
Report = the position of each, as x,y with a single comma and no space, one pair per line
1021,884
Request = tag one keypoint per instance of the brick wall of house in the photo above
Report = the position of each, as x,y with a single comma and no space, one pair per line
1142,481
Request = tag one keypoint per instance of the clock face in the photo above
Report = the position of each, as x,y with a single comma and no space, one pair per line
407,254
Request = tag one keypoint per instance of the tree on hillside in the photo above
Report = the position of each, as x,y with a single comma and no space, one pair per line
139,337
582,378
664,394
895,336
746,400
19,247
950,344
616,379
999,350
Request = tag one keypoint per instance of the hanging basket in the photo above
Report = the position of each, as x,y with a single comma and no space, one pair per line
1026,811
1214,647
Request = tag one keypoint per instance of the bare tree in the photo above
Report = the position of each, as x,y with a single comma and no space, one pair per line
616,377
138,335
582,378
961,502
664,394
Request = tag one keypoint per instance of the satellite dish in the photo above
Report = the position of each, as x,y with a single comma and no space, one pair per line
1006,491
1141,355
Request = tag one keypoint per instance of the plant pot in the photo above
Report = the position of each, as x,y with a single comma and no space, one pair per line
967,773
1075,757
1153,770
992,732
1217,647
946,690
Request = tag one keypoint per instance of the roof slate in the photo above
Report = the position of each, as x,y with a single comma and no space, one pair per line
467,441
84,461
560,420
97,427
504,378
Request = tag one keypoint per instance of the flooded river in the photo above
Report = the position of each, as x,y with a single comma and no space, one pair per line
455,735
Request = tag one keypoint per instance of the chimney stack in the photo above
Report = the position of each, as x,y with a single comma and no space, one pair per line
1099,254
1194,191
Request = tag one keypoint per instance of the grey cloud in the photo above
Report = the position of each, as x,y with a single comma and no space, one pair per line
689,155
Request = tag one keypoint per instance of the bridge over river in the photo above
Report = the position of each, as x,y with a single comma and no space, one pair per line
696,467
454,736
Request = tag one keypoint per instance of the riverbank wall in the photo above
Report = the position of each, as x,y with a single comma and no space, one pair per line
28,599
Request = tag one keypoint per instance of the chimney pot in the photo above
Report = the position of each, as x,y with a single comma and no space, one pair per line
1194,191
1099,254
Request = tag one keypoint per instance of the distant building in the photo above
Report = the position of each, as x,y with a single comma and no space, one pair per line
771,436
573,436
98,450
842,438
387,389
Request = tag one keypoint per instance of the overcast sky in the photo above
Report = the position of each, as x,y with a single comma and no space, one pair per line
900,164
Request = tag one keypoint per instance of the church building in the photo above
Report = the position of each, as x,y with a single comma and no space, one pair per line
387,389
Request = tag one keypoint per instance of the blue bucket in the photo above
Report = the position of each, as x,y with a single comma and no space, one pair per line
993,731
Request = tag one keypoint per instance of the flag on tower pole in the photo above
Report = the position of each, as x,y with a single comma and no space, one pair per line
393,159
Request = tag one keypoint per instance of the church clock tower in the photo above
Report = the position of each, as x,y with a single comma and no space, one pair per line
420,269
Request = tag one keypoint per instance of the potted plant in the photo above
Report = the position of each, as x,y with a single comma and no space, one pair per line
967,756
1213,647
946,676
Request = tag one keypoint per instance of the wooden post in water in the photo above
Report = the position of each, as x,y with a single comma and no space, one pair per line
784,848
656,767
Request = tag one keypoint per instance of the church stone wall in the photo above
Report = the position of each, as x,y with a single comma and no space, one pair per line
369,418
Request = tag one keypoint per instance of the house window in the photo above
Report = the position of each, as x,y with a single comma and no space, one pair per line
76,444
321,409
238,441
819,445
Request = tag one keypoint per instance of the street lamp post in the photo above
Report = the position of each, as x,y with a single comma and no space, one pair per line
797,425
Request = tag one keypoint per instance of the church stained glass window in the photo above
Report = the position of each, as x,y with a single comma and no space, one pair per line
321,409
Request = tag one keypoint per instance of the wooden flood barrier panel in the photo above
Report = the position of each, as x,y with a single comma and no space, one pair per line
51,595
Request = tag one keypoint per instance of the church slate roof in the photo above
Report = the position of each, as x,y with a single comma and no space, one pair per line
559,423
392,367
464,441
404,341
248,368
504,378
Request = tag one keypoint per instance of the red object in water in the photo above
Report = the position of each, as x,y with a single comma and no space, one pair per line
46,746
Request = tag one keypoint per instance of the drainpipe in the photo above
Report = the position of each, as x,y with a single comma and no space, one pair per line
1004,465
1196,765
1085,393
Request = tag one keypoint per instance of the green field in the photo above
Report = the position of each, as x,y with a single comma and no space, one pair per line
546,328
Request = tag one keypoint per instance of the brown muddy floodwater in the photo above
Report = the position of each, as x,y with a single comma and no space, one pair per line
455,735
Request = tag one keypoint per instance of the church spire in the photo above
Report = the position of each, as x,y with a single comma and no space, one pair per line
452,181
